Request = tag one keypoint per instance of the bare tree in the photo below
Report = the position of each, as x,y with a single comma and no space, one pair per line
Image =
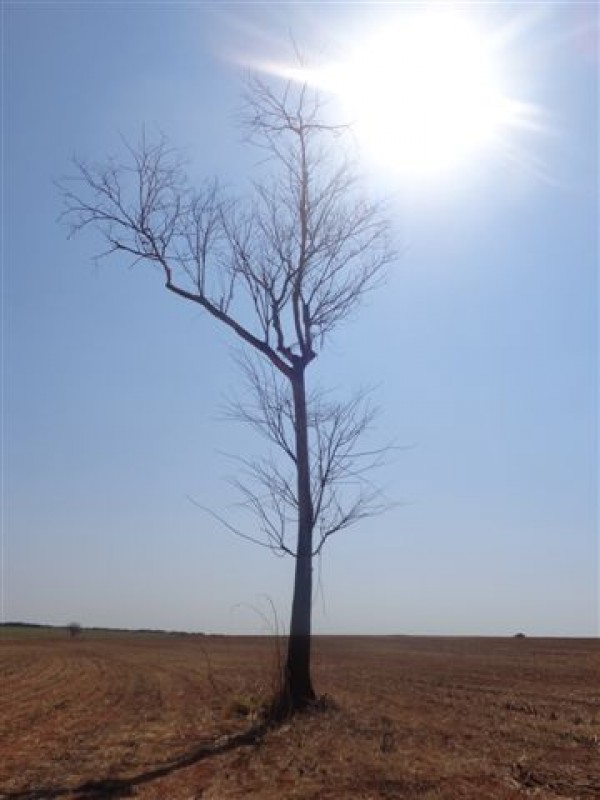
74,629
281,271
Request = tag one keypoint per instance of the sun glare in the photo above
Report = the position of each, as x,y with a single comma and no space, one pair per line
425,94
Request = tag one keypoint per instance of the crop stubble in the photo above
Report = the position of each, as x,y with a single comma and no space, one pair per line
412,717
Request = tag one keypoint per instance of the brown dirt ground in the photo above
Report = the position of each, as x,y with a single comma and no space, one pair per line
412,717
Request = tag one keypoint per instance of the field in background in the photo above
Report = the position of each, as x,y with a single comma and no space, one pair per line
409,717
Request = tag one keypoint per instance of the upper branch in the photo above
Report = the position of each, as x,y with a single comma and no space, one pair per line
146,209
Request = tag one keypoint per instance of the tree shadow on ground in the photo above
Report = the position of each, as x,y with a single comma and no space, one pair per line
123,787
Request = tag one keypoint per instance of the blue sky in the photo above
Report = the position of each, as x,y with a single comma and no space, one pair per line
482,346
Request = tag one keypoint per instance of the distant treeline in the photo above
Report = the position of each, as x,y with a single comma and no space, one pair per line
25,625
43,626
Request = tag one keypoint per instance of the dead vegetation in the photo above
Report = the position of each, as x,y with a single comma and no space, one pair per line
183,718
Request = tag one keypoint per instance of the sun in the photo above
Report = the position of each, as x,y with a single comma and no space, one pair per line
424,95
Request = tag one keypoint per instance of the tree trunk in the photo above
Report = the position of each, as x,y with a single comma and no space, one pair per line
297,689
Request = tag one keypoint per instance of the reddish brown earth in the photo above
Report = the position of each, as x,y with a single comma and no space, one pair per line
164,717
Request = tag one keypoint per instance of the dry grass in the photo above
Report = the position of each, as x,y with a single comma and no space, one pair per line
413,718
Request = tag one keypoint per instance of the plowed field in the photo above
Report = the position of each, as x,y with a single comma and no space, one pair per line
176,718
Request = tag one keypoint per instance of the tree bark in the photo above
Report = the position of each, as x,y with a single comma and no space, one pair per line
298,691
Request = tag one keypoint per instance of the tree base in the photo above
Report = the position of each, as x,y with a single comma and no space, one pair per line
284,706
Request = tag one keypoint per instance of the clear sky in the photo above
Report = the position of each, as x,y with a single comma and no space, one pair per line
482,346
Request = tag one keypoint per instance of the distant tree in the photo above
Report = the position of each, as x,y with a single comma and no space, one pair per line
74,629
281,271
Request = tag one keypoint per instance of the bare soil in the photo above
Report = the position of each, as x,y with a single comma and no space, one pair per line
408,717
